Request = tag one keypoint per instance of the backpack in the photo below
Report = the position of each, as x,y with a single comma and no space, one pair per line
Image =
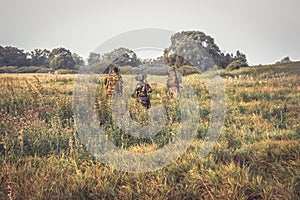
141,92
142,89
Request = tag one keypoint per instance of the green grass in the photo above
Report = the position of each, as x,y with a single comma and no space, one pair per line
256,157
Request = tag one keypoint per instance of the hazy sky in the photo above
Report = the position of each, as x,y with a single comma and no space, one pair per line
265,30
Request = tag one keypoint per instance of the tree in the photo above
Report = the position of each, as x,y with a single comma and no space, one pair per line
39,57
61,58
241,57
93,58
12,56
198,49
193,48
122,57
79,62
285,60
2,56
174,59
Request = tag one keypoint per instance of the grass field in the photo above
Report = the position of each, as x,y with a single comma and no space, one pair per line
256,157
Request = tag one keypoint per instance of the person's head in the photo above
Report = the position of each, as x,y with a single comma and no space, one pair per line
114,69
139,77
144,76
172,69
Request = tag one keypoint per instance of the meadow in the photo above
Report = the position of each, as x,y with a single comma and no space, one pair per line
256,157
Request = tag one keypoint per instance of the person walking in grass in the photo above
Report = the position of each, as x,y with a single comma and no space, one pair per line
113,82
142,91
110,87
173,82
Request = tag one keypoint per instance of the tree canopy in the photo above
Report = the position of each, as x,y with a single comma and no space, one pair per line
12,56
122,57
193,48
93,58
39,57
197,48
61,58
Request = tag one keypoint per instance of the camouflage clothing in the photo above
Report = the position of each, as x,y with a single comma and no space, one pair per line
113,83
142,91
173,82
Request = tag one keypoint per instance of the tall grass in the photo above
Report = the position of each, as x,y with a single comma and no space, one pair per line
256,157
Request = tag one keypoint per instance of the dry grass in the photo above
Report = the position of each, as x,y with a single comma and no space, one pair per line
256,157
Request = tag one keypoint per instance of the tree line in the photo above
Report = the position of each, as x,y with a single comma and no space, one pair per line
58,58
62,58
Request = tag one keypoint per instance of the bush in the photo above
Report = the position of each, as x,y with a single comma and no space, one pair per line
236,64
125,69
32,69
8,69
44,70
25,69
65,71
160,71
187,70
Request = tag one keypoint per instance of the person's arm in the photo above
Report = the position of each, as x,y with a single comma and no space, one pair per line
121,85
168,81
137,89
149,88
106,81
179,77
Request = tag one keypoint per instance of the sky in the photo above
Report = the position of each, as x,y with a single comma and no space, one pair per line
265,30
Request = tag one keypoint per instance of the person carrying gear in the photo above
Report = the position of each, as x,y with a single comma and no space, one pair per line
142,91
173,82
113,82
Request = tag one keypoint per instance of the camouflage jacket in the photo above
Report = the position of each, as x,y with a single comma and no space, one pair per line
113,83
142,90
173,79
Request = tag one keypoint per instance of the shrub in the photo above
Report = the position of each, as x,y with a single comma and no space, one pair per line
236,64
187,70
25,69
8,69
65,71
125,69
44,70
